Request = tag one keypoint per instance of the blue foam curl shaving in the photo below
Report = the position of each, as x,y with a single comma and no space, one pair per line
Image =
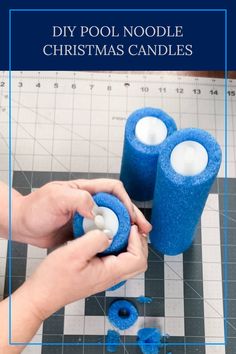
117,286
112,340
149,340
144,299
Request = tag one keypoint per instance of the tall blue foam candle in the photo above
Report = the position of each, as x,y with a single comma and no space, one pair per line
187,167
145,131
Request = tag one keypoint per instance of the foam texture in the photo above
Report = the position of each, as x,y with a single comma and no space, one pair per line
120,239
112,341
149,340
144,299
179,200
139,161
117,286
122,314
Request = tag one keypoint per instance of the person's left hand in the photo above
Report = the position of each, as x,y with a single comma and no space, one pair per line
44,217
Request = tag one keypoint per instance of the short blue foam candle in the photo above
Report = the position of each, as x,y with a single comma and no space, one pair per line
114,218
187,167
145,131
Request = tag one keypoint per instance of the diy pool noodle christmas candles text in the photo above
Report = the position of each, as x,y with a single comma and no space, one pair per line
113,31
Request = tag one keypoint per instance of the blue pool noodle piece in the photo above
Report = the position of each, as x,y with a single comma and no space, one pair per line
120,239
149,340
139,161
122,321
144,299
117,286
179,200
112,341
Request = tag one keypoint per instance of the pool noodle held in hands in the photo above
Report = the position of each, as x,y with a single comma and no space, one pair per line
145,131
187,167
111,216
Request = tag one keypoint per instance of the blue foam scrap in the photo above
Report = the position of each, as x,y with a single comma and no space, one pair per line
149,340
139,161
117,286
120,239
112,340
179,200
122,314
144,299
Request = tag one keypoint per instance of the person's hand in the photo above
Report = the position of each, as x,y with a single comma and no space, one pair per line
116,188
69,273
44,217
73,271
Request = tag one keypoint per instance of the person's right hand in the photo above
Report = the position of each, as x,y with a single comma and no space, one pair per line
74,271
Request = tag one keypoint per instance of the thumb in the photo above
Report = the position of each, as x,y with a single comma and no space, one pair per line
89,245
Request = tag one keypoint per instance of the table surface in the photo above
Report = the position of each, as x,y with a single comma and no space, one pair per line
70,125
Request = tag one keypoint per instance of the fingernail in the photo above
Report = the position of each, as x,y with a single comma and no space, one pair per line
144,235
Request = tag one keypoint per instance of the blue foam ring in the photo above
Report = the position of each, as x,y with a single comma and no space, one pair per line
120,239
179,200
117,286
149,340
139,161
122,314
